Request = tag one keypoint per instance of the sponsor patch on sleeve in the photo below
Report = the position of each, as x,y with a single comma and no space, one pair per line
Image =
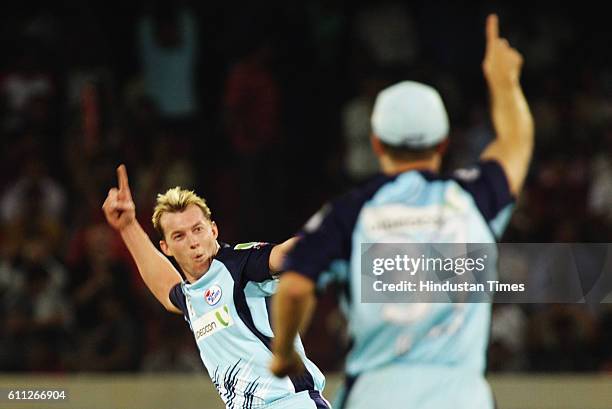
250,245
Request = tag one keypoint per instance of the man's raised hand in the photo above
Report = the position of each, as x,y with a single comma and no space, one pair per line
119,207
502,63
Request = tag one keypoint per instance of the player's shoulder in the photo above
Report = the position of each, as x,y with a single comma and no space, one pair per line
483,169
233,255
357,196
485,173
344,209
488,184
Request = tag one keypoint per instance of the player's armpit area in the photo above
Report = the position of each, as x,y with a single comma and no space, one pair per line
175,301
171,308
514,160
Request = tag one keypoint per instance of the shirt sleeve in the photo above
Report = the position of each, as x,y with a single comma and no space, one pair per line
258,262
178,298
488,185
324,240
324,251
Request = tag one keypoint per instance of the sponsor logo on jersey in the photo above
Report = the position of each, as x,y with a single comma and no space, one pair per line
213,295
212,322
251,245
467,175
399,219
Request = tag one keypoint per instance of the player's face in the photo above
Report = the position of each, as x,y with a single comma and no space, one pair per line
191,239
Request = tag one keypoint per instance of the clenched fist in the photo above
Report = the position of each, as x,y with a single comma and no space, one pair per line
287,366
119,207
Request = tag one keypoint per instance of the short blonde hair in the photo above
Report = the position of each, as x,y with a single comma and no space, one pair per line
176,200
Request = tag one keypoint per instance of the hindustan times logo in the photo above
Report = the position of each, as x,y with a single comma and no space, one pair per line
412,265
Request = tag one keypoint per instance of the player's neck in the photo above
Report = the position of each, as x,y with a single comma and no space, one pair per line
392,167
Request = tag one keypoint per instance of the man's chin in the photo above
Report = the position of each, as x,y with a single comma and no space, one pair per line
198,268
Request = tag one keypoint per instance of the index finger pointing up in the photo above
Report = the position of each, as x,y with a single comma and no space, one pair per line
492,28
123,179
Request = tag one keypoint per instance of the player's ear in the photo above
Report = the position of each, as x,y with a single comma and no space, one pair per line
164,248
377,146
215,229
442,147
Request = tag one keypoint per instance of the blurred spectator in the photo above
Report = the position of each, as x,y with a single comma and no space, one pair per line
33,206
329,23
600,195
174,354
561,339
27,90
253,124
99,271
37,323
360,162
507,343
112,344
34,190
252,102
387,31
168,45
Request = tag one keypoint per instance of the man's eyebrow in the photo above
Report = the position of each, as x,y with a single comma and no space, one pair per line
181,230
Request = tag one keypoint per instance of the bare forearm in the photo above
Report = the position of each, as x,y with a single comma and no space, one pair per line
155,269
514,130
292,309
511,116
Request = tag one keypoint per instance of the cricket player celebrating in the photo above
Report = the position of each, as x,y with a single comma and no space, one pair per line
223,297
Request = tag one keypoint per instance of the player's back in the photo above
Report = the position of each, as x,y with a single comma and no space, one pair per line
426,350
417,207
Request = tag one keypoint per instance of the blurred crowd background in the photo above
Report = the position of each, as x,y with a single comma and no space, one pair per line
263,109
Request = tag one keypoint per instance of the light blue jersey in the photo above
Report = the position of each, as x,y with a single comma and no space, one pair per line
228,315
421,355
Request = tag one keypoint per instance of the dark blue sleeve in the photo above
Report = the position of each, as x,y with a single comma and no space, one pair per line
178,298
488,185
257,267
325,238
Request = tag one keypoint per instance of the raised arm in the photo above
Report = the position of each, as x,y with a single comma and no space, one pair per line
279,254
510,113
155,269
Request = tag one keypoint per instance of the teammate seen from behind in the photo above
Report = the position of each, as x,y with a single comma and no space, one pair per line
413,355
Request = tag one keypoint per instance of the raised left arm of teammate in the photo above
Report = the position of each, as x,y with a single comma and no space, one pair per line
279,254
292,308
